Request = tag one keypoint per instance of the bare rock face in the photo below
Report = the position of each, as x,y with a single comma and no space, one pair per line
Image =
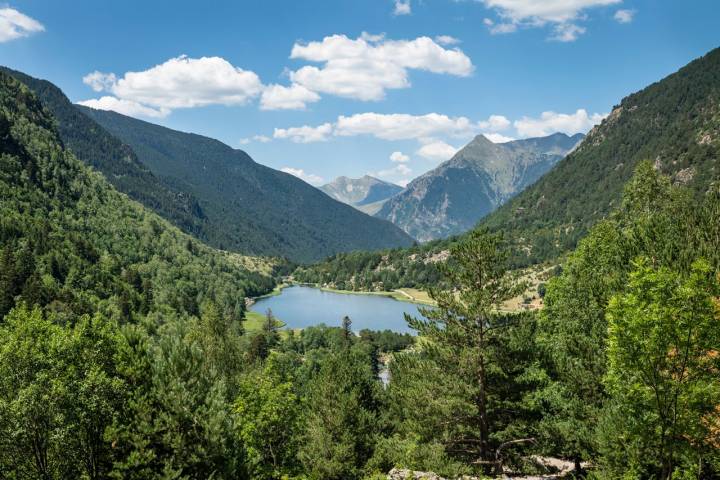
482,176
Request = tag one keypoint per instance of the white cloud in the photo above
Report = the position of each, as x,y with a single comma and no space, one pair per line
305,134
400,126
446,40
365,67
99,81
403,182
624,16
399,157
562,14
567,32
498,138
255,138
14,25
300,173
125,107
400,169
402,7
181,82
552,122
437,151
495,123
294,97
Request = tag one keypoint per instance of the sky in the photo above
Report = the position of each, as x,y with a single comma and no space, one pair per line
389,88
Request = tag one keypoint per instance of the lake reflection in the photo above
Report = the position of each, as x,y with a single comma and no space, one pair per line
300,307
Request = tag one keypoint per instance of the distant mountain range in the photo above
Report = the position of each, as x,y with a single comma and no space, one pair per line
483,175
366,193
674,122
210,190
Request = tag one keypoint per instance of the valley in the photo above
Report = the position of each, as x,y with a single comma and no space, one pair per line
539,299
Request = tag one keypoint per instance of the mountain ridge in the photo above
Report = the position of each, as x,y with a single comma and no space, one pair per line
366,193
454,196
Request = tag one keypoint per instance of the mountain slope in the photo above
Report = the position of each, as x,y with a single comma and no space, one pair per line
259,210
96,147
367,193
675,123
452,198
71,242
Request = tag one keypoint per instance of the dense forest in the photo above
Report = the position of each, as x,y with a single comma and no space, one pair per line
252,208
673,122
95,146
124,352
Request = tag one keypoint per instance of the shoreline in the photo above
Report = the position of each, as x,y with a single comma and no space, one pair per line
401,295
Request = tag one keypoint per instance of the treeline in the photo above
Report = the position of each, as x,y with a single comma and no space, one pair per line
70,242
619,373
412,267
123,352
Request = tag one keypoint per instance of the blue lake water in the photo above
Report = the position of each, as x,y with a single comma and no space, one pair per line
300,307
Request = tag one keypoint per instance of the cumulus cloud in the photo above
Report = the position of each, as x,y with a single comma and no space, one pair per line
99,81
432,130
365,67
402,7
437,151
399,157
294,97
495,123
552,122
180,82
14,25
400,169
400,126
125,107
624,16
255,138
446,40
310,178
305,134
498,137
563,15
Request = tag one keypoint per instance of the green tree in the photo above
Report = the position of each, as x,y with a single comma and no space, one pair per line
664,335
59,392
342,419
268,416
467,338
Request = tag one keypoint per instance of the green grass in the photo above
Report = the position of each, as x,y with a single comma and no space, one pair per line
254,321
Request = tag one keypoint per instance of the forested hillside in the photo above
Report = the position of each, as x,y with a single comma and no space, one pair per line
95,146
123,353
252,208
72,243
675,123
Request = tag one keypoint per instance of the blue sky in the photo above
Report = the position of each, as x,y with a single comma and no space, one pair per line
349,87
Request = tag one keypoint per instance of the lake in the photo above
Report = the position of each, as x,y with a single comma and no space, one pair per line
300,306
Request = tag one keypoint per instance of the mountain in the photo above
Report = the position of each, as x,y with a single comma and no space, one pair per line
207,189
71,242
96,147
675,123
366,193
483,175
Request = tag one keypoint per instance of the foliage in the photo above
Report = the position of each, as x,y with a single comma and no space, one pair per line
59,390
663,340
674,122
469,375
377,271
249,207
